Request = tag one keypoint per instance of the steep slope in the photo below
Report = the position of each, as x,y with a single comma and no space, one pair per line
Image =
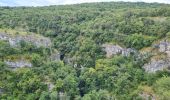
95,51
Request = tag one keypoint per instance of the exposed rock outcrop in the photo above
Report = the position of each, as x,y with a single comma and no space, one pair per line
18,64
112,50
160,63
146,96
14,39
164,46
156,65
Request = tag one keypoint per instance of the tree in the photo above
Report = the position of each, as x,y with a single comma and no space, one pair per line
37,60
44,96
138,41
162,88
98,95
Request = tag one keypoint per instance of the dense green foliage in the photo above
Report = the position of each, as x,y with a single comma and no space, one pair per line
78,31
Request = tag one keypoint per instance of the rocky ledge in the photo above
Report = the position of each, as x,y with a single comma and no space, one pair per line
112,50
164,46
18,64
157,65
37,40
150,67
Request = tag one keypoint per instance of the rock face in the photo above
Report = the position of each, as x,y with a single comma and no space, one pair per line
155,65
18,64
146,96
151,67
164,46
32,38
116,49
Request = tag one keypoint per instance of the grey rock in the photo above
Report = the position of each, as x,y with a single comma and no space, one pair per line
156,65
163,63
146,96
32,38
164,46
128,51
18,64
112,50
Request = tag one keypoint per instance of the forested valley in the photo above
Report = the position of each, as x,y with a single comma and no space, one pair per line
90,51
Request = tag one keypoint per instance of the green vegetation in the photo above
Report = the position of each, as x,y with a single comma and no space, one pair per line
77,33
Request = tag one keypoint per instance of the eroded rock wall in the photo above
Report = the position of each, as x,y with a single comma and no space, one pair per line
157,65
163,47
37,40
112,50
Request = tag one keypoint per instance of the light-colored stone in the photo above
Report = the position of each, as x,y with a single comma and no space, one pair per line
32,38
146,96
159,63
164,46
156,65
168,53
18,64
112,50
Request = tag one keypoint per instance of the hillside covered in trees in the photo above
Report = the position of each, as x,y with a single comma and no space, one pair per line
93,51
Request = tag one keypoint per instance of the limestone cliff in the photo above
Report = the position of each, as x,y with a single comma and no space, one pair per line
14,39
151,66
159,63
18,64
112,50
